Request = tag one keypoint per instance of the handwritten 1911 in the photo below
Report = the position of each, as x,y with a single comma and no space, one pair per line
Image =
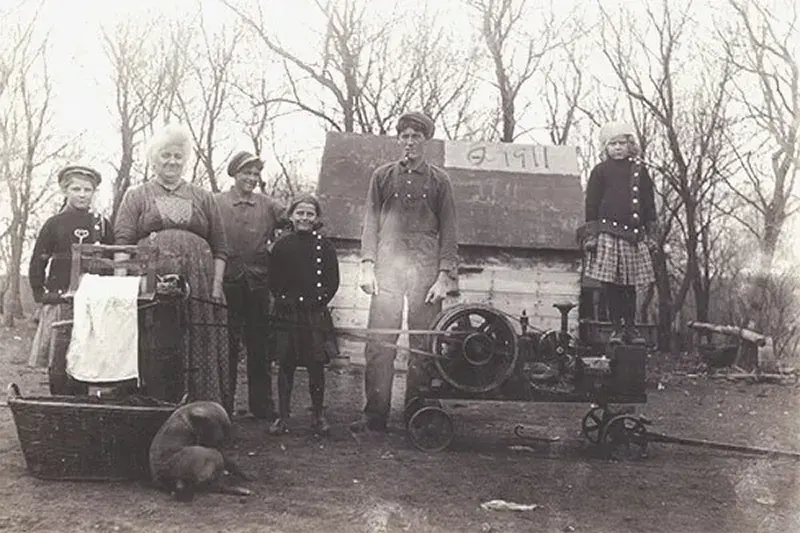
510,156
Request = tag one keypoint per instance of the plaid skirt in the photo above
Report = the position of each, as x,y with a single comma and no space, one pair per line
618,261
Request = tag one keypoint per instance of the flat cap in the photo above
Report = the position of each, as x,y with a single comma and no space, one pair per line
241,160
416,120
79,170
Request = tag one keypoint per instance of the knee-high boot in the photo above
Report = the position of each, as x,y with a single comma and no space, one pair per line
316,389
285,384
614,302
632,334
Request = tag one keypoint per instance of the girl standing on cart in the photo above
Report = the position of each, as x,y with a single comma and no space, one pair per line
304,277
75,224
620,226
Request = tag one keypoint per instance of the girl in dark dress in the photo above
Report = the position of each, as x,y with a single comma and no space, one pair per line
619,229
304,277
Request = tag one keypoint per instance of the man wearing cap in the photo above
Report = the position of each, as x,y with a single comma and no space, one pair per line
249,220
76,223
409,249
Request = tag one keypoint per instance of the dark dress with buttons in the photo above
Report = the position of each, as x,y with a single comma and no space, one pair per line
620,198
304,277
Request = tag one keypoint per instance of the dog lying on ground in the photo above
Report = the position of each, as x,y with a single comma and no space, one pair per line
186,454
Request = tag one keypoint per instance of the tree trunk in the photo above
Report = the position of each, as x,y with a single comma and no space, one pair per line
701,300
509,122
665,306
123,179
756,316
12,298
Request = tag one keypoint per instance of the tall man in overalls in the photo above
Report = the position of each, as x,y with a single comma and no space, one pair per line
409,248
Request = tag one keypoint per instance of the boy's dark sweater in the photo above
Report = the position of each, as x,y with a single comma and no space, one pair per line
609,193
55,241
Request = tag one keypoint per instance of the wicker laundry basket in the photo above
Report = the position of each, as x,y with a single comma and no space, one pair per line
87,438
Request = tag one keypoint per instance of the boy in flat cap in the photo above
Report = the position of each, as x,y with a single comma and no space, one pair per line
75,224
249,219
409,249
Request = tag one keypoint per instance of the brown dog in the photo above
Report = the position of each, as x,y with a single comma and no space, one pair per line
186,454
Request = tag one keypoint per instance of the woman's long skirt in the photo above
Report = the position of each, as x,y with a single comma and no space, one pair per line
200,366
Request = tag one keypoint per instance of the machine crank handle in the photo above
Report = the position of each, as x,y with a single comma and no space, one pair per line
519,431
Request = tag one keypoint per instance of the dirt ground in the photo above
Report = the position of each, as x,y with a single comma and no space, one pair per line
380,483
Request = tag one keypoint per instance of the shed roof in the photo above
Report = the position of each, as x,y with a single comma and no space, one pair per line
507,195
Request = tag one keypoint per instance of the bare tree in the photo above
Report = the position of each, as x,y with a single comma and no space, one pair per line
764,45
27,148
256,110
366,72
203,98
437,82
516,50
336,73
565,88
687,148
145,75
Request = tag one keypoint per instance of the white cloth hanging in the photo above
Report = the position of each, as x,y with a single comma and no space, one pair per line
105,330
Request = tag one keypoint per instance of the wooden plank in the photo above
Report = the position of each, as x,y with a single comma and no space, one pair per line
537,289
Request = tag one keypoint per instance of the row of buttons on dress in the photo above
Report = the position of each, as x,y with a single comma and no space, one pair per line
318,260
615,224
635,192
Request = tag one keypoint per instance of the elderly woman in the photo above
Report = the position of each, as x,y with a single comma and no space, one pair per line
184,223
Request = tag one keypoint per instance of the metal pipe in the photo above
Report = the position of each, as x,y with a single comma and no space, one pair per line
700,443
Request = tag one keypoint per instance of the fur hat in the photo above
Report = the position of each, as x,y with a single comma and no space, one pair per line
241,160
612,130
418,121
79,170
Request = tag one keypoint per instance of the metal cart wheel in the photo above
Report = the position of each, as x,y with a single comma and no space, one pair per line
478,348
592,423
624,437
415,404
431,429
412,406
